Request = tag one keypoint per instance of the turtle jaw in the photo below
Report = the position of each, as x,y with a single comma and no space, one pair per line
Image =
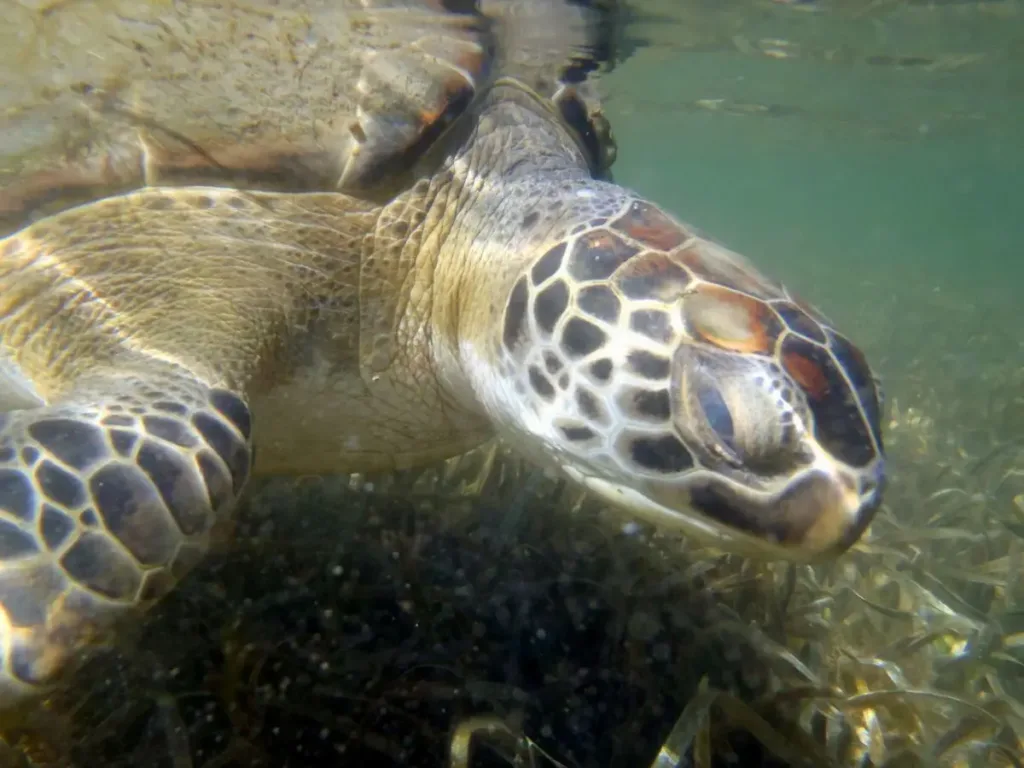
816,518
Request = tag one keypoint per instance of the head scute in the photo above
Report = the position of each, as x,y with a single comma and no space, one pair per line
676,375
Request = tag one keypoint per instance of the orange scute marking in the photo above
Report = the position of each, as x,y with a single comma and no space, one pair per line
646,224
652,276
807,374
650,264
731,320
693,259
716,264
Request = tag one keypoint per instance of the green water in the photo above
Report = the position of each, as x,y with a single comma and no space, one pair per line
877,190
869,155
842,219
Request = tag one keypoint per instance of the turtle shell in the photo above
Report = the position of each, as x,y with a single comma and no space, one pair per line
99,97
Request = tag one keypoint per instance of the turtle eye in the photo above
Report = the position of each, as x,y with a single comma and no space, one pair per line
716,414
726,405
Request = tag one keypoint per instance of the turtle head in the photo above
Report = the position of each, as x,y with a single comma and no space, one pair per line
663,372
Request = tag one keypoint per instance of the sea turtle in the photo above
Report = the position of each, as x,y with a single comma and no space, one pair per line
319,236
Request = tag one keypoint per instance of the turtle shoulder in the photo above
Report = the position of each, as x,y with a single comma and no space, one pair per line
559,49
105,96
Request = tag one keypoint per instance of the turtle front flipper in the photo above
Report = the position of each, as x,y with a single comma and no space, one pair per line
107,498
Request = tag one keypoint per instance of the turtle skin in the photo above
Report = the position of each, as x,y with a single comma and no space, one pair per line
318,237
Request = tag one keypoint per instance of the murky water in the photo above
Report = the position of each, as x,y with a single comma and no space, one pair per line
871,155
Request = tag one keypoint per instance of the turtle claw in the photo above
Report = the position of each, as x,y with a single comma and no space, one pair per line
106,501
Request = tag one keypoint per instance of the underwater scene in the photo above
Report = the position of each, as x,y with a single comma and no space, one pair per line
485,611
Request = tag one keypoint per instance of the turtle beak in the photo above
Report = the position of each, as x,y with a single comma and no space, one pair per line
827,512
819,515
871,491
